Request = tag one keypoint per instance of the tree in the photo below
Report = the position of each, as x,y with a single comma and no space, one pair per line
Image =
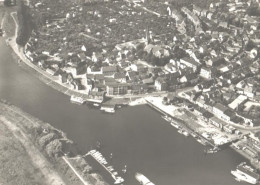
54,148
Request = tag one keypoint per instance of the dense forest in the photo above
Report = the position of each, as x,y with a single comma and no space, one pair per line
25,23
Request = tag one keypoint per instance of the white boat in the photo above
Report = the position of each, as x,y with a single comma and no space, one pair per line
180,131
119,180
77,100
143,179
212,150
174,124
108,108
96,104
246,173
185,133
166,118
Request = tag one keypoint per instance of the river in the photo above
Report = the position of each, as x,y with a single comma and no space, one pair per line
137,136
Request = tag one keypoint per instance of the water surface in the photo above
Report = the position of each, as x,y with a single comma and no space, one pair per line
137,136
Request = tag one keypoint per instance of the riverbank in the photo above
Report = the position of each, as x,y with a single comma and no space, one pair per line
189,122
45,147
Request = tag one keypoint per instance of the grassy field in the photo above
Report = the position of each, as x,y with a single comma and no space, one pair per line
16,166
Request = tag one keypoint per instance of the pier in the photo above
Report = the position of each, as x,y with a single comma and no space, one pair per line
182,125
103,162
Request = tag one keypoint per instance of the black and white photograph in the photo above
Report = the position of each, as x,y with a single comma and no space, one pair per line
129,92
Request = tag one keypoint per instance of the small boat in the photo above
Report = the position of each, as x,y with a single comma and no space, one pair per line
166,118
77,100
108,108
180,131
185,133
119,180
193,134
96,104
174,124
124,170
143,179
212,150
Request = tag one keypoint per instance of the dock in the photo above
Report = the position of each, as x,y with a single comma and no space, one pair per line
182,125
104,163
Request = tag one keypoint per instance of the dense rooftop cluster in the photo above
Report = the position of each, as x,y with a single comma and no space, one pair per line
137,47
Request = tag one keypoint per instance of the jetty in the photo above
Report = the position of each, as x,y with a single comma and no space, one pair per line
105,164
180,124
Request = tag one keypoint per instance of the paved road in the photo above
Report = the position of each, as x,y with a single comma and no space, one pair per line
75,171
241,127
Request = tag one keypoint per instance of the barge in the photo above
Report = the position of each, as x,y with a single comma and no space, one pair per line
246,173
76,99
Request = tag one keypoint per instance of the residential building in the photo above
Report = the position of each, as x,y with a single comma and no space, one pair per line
189,62
109,70
219,109
206,73
117,88
160,84
63,77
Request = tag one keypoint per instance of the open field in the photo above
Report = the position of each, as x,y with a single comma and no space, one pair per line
16,166
22,159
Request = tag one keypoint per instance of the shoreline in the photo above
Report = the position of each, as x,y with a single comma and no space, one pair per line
162,112
54,84
59,163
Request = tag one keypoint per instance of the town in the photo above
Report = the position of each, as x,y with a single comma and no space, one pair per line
200,62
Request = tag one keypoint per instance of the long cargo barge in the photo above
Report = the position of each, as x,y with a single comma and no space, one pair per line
246,173
143,179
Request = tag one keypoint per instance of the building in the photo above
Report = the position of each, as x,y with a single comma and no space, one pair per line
228,115
216,122
238,101
196,10
117,88
206,73
120,77
229,129
189,62
109,70
219,109
192,17
63,77
160,84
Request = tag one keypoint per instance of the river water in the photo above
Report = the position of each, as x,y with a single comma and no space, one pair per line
137,136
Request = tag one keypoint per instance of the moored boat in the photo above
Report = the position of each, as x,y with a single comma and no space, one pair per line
246,173
96,104
174,124
212,150
143,179
108,108
167,118
77,100
185,133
